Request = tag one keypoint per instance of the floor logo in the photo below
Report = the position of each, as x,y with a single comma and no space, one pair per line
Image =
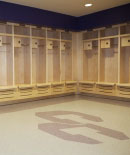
56,127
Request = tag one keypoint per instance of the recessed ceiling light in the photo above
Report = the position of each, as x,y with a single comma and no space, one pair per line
88,4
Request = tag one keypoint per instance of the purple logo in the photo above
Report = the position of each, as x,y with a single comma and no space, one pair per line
56,127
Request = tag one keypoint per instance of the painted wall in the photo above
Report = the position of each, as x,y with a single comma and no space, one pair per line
28,15
112,16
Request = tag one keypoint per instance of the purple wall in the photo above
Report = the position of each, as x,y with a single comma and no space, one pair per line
28,15
107,17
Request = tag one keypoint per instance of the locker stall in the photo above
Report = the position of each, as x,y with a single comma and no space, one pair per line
38,55
40,62
90,61
124,85
108,61
22,60
7,88
6,55
108,73
67,62
54,67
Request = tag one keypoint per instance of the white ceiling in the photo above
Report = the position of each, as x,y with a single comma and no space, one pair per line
71,7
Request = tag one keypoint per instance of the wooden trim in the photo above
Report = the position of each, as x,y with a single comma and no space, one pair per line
53,39
42,38
109,37
25,86
21,36
57,83
105,84
90,40
43,84
8,88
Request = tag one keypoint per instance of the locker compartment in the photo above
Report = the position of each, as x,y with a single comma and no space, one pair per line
125,29
49,44
90,63
17,42
53,63
105,88
22,61
123,90
25,91
22,30
70,86
110,31
88,45
109,61
1,41
63,46
43,89
66,62
90,35
7,93
38,32
86,87
34,43
105,43
6,61
57,88
39,61
53,34
66,36
125,41
5,28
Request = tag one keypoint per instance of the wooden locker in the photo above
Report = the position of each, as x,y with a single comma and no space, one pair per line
17,42
49,44
0,41
88,45
105,43
63,46
34,43
125,41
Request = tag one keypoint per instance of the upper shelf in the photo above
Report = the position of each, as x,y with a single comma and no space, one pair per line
4,28
22,30
53,34
125,29
38,32
90,35
66,36
113,31
106,33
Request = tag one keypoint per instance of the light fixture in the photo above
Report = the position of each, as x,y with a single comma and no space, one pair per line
88,5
